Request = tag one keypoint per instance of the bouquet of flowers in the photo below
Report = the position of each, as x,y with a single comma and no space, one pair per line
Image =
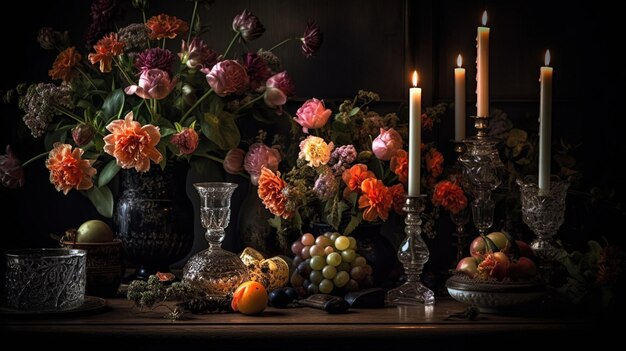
342,169
131,102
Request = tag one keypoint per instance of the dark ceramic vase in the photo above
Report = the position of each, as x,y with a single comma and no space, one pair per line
154,219
254,228
372,245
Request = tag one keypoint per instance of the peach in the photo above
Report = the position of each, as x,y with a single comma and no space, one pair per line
250,298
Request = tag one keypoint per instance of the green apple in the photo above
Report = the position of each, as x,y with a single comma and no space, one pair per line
94,231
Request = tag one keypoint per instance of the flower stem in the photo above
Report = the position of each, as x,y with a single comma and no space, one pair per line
231,43
87,77
193,17
217,159
251,102
193,107
163,47
281,43
35,158
117,63
69,113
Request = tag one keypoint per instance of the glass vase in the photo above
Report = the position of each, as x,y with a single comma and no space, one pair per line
215,270
544,213
460,219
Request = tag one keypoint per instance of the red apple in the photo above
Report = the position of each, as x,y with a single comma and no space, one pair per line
524,268
478,247
525,250
500,239
467,265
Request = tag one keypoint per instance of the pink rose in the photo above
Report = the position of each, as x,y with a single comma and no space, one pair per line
386,144
153,84
277,89
312,115
186,141
228,77
260,155
233,162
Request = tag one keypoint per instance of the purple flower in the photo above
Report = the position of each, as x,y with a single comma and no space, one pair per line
228,77
312,39
11,172
233,162
257,68
186,141
155,58
248,25
198,55
341,158
260,155
325,186
50,39
102,13
39,104
277,89
83,134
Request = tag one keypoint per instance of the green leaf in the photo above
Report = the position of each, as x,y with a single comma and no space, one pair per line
102,199
221,129
162,147
275,222
59,135
355,220
113,105
265,116
167,132
354,111
108,172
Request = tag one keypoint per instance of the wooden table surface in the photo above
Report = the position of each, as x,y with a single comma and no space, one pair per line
121,326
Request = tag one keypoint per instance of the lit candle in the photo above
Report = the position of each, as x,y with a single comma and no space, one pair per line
415,130
482,68
545,124
459,100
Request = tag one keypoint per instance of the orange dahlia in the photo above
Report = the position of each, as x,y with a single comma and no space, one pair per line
376,200
164,26
450,196
133,145
400,165
106,48
68,170
63,66
271,193
398,195
434,162
354,176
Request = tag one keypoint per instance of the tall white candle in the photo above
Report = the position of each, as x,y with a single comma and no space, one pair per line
545,124
482,68
415,138
459,100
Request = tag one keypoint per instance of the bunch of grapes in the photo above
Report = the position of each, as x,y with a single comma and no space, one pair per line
329,264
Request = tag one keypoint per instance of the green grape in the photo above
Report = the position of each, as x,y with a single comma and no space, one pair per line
328,250
334,236
343,266
329,272
341,279
348,255
307,239
313,289
323,241
316,277
328,234
317,250
333,259
317,262
359,261
342,243
352,243
326,286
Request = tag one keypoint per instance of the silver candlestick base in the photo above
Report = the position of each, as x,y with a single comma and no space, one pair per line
413,254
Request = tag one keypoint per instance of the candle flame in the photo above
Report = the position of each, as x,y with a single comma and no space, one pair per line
459,61
547,58
485,18
415,78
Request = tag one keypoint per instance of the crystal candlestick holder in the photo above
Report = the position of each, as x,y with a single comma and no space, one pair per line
413,254
215,270
544,213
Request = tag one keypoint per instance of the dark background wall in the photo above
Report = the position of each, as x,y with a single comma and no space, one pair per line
369,45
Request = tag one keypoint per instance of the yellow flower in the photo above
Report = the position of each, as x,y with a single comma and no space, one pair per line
315,151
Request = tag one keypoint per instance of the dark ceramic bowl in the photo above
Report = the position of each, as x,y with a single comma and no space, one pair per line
105,267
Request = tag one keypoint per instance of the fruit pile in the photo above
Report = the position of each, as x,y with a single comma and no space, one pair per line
329,264
498,256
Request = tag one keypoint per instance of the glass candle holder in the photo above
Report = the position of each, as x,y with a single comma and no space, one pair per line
215,270
544,213
45,280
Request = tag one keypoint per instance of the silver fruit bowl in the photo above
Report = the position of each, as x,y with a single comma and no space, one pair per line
491,296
